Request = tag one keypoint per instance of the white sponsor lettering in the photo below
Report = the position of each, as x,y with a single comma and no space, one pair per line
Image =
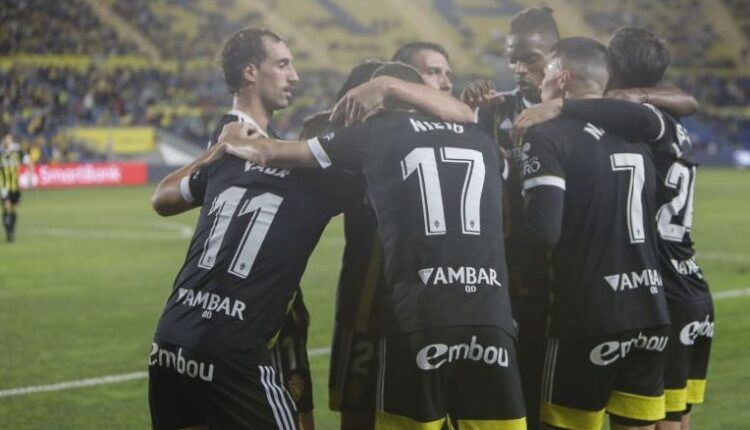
528,163
458,275
690,332
687,267
607,353
273,171
433,356
630,281
420,126
212,302
166,358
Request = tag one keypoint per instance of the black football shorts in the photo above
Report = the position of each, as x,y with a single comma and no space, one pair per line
191,389
621,374
289,356
354,369
689,348
469,374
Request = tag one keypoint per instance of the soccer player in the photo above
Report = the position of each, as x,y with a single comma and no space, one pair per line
354,361
11,159
431,61
590,196
532,35
447,344
269,94
243,268
639,60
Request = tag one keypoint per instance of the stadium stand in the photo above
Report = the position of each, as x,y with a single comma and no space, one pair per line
63,65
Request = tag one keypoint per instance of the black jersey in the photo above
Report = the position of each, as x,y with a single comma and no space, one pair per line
435,188
233,115
605,268
526,277
256,230
361,281
683,278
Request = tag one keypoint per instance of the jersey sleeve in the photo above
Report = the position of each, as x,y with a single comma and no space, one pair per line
193,187
344,148
541,162
634,121
485,117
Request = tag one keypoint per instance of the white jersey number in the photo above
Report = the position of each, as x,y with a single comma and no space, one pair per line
682,179
424,162
261,210
633,164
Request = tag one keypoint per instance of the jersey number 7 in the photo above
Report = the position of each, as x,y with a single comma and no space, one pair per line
424,162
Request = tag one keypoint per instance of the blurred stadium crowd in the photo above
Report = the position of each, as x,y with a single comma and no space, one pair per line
138,62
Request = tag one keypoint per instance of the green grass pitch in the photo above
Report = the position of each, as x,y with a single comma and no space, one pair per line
81,289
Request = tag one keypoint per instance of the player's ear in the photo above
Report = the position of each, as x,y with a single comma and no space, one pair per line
250,74
563,80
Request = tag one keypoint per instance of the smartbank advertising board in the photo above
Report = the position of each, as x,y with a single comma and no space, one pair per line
83,175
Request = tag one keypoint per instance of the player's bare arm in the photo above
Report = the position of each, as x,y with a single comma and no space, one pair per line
481,94
372,97
168,198
671,99
271,152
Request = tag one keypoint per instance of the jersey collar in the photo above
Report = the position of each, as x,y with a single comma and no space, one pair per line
247,119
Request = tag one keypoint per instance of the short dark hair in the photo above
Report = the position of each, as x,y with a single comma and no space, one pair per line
639,57
586,59
399,70
243,48
359,74
405,54
535,20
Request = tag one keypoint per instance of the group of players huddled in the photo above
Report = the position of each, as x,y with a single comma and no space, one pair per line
513,260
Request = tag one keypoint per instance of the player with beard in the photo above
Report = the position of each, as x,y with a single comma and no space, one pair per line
533,33
258,71
441,307
639,60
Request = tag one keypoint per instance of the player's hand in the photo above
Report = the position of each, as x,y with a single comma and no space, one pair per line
535,115
481,93
250,149
635,95
362,102
236,130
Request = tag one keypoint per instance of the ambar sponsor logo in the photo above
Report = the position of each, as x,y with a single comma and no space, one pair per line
633,280
458,275
212,302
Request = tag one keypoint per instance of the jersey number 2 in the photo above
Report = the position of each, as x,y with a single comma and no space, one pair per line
262,210
423,161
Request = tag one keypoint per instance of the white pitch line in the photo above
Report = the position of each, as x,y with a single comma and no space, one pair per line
314,352
109,234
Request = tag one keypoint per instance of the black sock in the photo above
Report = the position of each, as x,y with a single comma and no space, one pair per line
12,223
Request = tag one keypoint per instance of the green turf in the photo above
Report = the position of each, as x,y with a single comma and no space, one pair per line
81,289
